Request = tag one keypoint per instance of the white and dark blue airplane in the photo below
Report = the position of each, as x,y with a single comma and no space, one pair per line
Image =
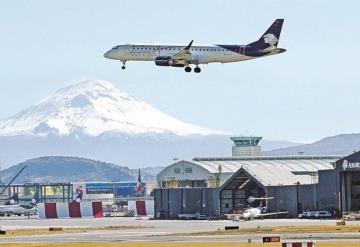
186,55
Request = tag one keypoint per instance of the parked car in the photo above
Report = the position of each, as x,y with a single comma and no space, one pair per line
315,214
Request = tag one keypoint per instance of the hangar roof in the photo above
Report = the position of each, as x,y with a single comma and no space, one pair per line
271,170
292,163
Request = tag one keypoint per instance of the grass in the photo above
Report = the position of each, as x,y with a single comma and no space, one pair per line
278,230
132,244
45,231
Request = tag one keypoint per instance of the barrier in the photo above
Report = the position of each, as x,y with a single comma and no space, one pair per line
141,207
305,243
69,210
232,228
129,213
55,229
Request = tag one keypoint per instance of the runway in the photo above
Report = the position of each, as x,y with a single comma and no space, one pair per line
160,230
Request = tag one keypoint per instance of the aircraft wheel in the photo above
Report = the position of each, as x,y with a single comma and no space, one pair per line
197,70
187,69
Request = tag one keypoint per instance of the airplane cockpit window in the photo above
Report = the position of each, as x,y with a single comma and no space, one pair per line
115,47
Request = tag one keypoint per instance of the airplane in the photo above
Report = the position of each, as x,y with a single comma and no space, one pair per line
18,209
186,55
255,212
11,208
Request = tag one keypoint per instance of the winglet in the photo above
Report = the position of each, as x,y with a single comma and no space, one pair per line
189,45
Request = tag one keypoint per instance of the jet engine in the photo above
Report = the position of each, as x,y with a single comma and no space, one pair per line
166,61
163,61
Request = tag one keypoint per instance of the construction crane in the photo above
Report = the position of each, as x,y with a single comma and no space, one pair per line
12,180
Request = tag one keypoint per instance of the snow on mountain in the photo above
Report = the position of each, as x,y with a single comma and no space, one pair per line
94,108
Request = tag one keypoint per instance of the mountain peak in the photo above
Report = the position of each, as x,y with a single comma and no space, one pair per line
89,85
93,108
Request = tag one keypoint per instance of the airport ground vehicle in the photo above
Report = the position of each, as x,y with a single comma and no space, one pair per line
315,214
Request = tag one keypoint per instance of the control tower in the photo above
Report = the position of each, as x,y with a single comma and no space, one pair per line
246,146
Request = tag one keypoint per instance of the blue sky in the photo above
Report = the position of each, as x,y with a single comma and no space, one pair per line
307,93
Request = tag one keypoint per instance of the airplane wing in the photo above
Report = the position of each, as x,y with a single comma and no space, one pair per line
261,198
184,56
275,213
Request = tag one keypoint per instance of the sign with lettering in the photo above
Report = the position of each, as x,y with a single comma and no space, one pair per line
271,239
350,165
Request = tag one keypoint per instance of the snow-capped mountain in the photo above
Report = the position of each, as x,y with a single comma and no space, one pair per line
94,119
95,108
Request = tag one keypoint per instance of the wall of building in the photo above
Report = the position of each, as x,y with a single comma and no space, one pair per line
327,191
284,199
171,202
292,198
246,151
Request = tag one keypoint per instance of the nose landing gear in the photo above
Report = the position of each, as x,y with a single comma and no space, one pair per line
123,66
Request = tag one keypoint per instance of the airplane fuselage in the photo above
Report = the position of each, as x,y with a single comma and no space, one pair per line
202,53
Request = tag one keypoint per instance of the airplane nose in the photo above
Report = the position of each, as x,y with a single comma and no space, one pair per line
107,54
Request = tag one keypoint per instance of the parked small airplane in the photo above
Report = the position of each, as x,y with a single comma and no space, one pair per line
255,212
185,55
22,209
12,208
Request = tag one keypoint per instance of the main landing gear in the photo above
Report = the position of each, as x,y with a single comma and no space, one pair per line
123,66
196,69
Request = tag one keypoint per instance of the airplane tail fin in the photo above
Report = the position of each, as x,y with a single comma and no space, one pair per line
271,37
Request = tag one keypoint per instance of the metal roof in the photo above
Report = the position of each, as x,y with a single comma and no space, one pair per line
272,170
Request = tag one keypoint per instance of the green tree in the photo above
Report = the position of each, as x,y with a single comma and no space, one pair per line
218,176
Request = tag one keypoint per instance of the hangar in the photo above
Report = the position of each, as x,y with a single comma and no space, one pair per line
291,180
347,182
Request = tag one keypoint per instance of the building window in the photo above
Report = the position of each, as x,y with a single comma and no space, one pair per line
188,169
177,170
